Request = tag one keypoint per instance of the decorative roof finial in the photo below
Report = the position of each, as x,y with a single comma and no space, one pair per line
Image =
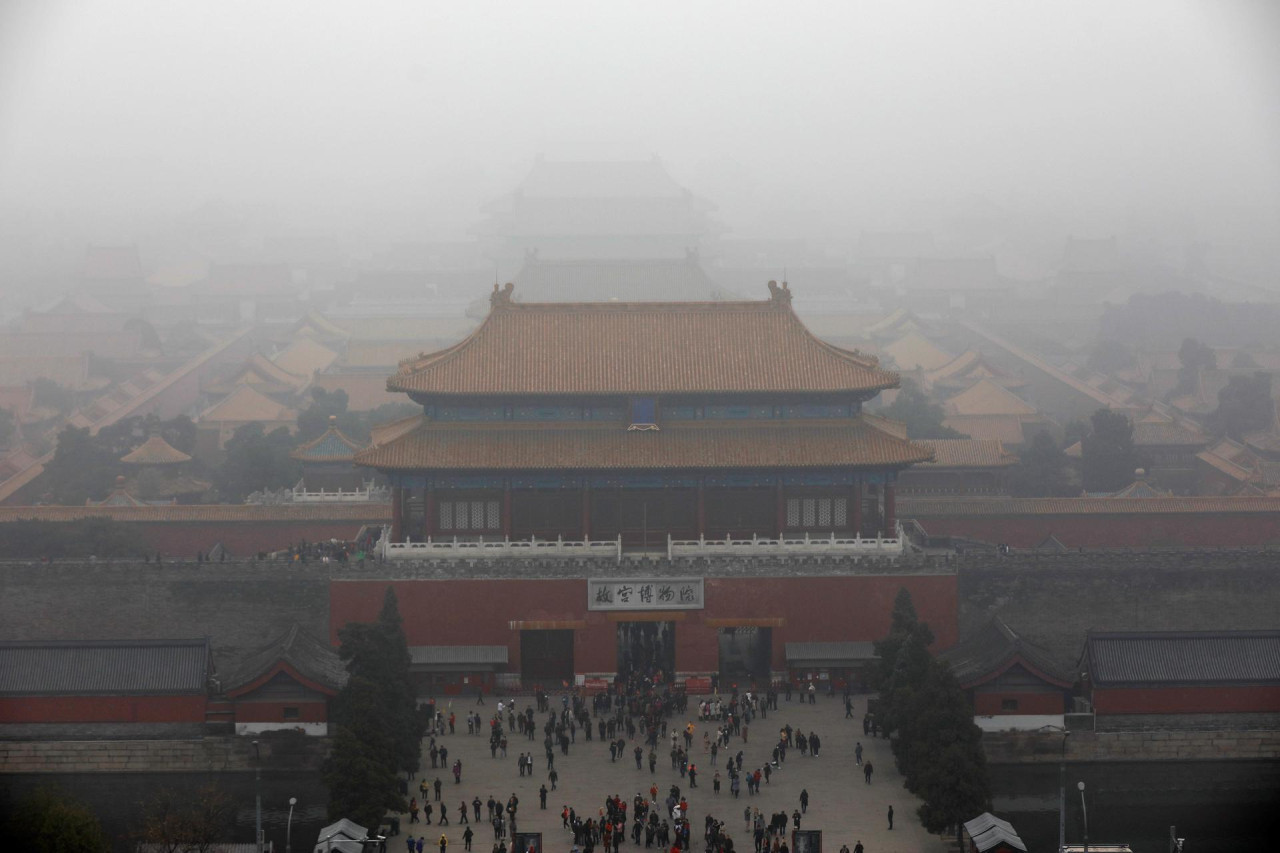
501,295
780,293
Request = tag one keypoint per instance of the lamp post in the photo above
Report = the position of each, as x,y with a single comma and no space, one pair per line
257,791
288,829
1062,795
1085,810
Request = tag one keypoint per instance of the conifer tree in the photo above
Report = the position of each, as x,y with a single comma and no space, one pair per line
377,727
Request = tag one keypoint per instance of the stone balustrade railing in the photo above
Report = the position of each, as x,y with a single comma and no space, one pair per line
787,546
755,547
435,549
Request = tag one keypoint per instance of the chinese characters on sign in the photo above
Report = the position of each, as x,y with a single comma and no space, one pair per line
645,594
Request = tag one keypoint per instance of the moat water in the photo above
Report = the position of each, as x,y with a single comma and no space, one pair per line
1217,806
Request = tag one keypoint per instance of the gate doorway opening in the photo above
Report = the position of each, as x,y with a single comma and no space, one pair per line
745,655
546,656
648,648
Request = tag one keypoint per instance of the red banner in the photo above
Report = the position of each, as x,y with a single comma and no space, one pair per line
595,685
697,684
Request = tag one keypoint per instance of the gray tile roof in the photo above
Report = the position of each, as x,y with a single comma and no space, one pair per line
835,652
313,659
1222,657
104,668
992,647
456,655
988,831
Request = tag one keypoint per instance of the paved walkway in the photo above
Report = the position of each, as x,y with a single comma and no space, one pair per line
841,804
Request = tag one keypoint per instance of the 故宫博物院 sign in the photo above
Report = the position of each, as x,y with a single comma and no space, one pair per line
645,594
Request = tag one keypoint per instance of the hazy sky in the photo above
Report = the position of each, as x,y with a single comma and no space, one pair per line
408,115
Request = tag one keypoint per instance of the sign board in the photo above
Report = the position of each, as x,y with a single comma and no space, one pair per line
595,685
806,841
645,594
697,684
526,842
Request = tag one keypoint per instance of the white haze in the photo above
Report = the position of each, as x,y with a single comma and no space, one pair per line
400,119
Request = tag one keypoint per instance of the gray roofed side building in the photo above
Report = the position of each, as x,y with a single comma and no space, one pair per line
994,648
1163,658
310,658
110,667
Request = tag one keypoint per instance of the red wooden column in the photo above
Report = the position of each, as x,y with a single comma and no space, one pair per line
856,515
889,515
702,509
586,510
429,510
397,514
782,509
506,508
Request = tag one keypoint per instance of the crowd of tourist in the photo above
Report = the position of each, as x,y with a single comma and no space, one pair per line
635,717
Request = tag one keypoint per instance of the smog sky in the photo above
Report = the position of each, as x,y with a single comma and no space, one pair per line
407,116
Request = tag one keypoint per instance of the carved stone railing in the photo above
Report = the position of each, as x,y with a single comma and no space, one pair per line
371,493
787,546
436,549
430,549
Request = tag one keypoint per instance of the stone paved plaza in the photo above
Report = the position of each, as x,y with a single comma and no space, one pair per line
841,804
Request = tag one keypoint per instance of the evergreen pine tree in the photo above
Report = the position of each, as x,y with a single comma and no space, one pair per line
378,729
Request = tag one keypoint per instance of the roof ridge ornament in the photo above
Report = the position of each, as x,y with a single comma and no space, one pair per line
501,296
780,293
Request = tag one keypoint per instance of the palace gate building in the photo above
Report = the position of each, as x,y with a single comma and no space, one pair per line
596,486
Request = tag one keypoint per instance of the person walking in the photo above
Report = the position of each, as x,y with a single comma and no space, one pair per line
542,797
891,817
804,800
462,812
867,770
466,839
444,842
857,753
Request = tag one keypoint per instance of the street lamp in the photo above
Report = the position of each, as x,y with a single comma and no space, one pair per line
1062,794
288,829
257,790
1085,810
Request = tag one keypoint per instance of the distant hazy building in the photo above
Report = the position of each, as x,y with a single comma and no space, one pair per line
113,274
593,210
623,280
885,257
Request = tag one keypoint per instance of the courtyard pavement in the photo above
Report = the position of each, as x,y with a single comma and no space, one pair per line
841,804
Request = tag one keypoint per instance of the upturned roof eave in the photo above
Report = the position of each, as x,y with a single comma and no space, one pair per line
893,381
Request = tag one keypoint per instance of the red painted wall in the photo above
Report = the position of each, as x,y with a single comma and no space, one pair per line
988,704
1185,700
478,612
273,712
103,709
1113,531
